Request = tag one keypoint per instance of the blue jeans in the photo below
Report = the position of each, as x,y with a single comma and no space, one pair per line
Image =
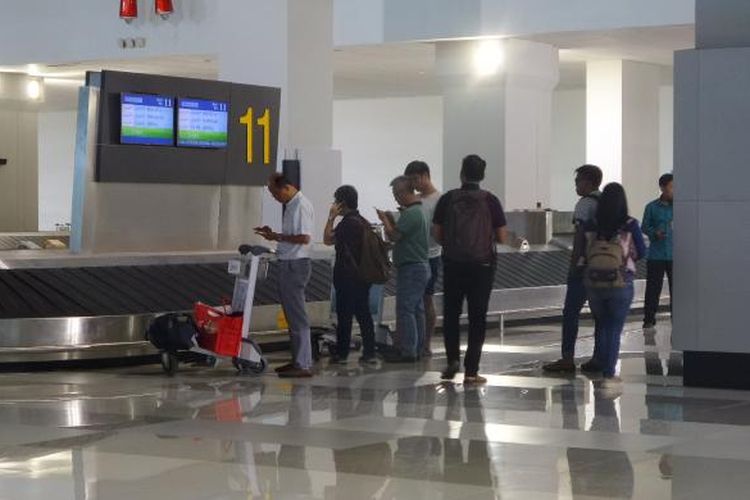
575,298
411,280
611,308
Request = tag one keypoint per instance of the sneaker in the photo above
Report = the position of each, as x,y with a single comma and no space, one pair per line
283,368
335,360
612,381
474,380
368,360
591,366
450,371
560,366
296,373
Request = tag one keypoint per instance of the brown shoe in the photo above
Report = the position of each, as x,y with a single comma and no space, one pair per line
283,368
475,380
296,373
560,366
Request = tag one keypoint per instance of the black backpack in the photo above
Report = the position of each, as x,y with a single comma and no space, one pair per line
172,332
374,266
468,235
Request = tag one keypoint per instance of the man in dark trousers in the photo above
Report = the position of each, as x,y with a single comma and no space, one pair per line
468,223
657,225
588,179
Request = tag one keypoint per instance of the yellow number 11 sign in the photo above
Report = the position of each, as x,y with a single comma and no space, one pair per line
265,122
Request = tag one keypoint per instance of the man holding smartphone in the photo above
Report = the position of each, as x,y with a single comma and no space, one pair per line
657,225
293,252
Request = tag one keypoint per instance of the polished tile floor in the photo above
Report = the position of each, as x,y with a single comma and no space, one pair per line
386,432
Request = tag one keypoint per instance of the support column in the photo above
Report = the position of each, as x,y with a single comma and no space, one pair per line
712,207
506,118
287,44
622,126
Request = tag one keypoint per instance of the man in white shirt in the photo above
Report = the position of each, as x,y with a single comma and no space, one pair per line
293,252
419,172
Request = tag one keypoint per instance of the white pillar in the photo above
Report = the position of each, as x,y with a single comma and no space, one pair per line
622,126
506,118
712,207
287,44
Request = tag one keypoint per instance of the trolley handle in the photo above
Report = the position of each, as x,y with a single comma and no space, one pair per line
254,249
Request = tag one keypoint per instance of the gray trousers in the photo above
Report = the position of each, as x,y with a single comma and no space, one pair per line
293,278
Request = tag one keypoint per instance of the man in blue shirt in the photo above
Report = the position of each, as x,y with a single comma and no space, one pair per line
657,225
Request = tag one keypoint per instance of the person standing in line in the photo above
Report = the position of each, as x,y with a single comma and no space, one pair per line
293,252
615,245
352,294
587,181
412,270
468,223
657,225
419,172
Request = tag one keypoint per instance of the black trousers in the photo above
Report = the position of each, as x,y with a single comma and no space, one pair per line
353,299
654,282
472,282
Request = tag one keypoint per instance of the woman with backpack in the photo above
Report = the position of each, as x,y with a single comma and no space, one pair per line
615,244
352,291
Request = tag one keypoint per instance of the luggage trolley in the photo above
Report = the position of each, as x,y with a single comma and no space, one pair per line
223,332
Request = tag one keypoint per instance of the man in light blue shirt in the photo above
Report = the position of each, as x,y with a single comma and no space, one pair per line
293,252
657,225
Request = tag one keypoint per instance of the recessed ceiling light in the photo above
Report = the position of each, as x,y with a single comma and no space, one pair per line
488,57
34,89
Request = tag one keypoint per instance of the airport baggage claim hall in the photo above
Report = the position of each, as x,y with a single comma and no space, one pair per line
161,160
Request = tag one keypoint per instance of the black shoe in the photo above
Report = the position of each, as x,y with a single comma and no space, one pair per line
648,325
450,371
591,366
368,360
336,360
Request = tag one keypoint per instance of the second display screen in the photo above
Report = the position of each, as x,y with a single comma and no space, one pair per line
202,123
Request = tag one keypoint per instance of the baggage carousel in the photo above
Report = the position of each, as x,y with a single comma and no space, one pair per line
82,308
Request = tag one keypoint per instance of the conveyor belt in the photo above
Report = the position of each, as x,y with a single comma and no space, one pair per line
124,290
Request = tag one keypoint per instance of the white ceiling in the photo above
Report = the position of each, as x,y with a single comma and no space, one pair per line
392,69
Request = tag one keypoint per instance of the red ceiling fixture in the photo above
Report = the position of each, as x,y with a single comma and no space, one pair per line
128,10
164,8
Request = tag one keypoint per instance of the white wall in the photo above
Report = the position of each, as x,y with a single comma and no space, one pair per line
57,132
378,137
568,145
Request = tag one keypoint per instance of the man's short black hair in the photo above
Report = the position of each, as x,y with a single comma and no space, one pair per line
279,181
472,168
665,179
591,173
347,196
417,167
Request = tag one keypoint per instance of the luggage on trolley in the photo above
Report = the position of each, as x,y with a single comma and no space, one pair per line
217,332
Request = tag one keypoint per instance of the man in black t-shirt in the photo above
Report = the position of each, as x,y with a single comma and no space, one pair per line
468,222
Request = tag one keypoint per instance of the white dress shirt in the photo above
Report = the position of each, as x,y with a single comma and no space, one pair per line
299,219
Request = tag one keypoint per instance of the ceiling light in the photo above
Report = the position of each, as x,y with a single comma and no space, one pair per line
488,57
33,89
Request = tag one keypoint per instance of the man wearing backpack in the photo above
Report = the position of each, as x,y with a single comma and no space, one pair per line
410,258
419,172
468,222
657,225
588,180
352,291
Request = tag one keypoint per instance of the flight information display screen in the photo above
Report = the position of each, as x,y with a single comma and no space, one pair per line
146,119
202,123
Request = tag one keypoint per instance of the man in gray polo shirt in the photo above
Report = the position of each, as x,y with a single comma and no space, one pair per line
293,252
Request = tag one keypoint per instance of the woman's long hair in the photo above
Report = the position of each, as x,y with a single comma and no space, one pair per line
612,212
